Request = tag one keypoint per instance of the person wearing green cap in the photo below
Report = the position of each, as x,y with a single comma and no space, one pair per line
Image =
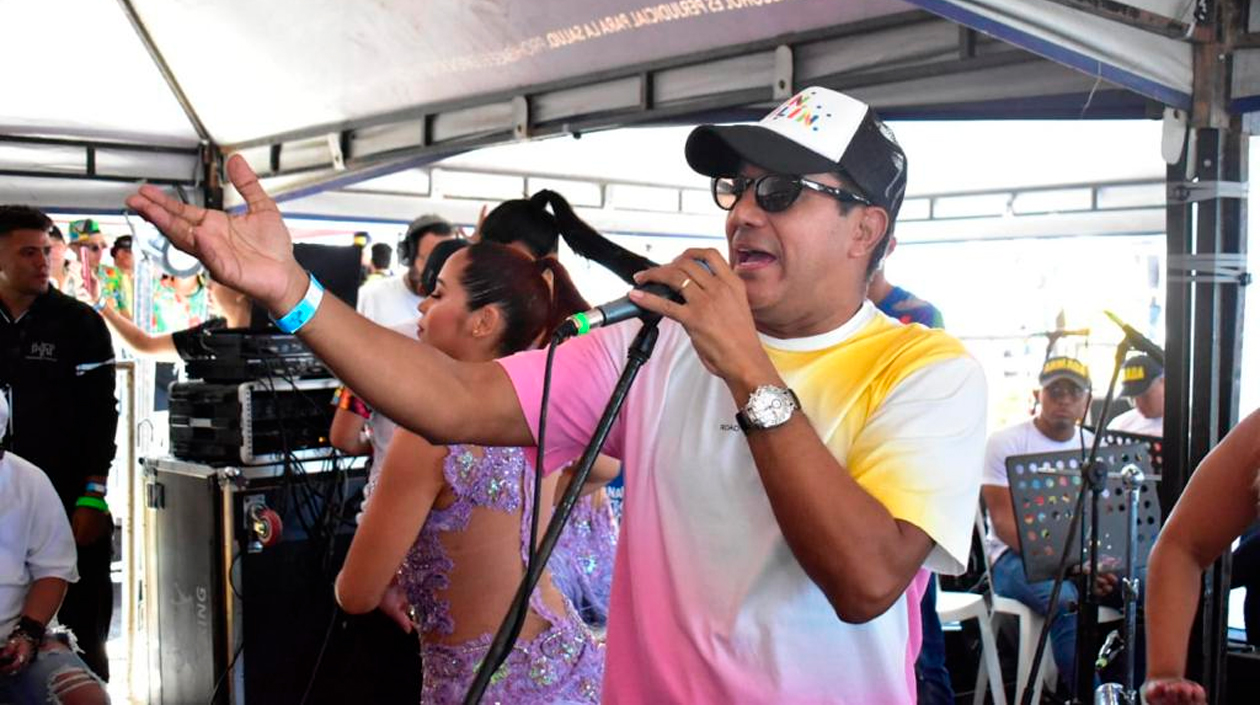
92,281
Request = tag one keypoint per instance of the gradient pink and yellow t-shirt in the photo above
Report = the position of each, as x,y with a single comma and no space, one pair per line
709,605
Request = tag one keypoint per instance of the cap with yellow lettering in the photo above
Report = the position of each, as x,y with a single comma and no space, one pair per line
1068,368
1138,374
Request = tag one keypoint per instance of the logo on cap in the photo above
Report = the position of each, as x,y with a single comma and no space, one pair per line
1065,368
797,109
1064,364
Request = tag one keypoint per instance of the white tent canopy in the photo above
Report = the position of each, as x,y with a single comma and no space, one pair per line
321,93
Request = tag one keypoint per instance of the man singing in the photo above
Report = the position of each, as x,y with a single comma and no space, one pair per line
793,460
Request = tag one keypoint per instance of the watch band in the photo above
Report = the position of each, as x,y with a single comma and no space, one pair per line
30,628
304,311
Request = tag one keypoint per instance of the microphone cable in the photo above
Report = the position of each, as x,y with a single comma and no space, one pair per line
540,450
519,608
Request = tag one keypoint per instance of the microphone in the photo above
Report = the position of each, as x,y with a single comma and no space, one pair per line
1110,649
1082,332
617,311
1137,340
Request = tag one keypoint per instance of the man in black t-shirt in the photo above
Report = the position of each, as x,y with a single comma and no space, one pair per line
57,371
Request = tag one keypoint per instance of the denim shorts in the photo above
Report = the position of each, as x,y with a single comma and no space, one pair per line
55,672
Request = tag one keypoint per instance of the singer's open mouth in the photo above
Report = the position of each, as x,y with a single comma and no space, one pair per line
747,258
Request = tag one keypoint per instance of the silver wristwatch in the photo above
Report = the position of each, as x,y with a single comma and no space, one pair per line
768,406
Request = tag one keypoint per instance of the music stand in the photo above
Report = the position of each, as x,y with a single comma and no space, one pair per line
1044,488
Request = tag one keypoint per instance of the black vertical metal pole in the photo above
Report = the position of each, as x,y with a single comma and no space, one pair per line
1206,232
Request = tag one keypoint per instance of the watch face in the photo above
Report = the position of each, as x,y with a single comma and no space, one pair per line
769,406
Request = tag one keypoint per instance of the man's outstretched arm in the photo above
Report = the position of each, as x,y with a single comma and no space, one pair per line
420,388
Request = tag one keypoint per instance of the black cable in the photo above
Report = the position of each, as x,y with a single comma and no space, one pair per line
322,524
334,494
235,559
231,664
520,605
319,660
540,450
520,611
507,634
288,461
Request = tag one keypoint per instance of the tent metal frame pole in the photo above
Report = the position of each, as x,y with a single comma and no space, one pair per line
890,22
1204,333
27,174
1207,244
90,153
96,144
1220,231
210,183
1147,21
167,74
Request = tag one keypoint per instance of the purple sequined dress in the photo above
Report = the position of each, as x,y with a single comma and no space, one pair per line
562,664
582,566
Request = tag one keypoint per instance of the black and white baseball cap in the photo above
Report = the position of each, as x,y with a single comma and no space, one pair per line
817,131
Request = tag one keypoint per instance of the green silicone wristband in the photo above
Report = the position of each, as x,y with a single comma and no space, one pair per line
94,502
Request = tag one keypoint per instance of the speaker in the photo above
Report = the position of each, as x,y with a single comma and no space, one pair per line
336,267
239,571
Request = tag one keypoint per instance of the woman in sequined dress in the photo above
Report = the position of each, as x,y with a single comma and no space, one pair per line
582,565
457,518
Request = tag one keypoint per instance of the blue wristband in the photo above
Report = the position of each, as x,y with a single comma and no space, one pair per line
97,487
293,321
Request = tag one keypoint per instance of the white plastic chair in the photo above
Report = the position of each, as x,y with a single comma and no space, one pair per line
959,607
1029,624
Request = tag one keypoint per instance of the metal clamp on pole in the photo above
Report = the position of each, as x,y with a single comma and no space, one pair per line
1217,268
1193,191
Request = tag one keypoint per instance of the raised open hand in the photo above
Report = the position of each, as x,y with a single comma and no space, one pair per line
251,252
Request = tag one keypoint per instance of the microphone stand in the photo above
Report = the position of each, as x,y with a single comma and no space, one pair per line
1093,481
510,629
1133,478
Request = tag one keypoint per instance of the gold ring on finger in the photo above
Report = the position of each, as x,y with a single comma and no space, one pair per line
685,284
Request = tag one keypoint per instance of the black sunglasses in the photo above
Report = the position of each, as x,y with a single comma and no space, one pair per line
1064,391
775,193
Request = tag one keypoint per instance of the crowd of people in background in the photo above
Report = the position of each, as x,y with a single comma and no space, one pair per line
806,574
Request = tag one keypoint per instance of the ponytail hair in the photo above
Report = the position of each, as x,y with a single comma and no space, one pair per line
528,222
566,300
437,259
498,275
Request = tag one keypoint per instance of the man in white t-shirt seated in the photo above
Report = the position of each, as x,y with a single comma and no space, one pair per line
394,300
1061,404
37,563
1143,382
